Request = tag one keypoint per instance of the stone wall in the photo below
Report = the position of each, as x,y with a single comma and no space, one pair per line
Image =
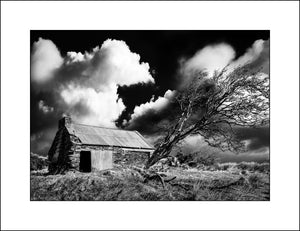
74,152
58,155
119,156
130,157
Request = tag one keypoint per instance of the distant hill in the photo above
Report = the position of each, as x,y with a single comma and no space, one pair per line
37,162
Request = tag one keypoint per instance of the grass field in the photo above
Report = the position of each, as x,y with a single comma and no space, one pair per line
228,181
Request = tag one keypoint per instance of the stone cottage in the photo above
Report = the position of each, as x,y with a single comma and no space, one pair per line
88,148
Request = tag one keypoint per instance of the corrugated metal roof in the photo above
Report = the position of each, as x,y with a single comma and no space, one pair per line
108,137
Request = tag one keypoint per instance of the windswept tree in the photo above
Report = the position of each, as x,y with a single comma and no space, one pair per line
214,107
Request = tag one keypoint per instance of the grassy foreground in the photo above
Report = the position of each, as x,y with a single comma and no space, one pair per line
230,181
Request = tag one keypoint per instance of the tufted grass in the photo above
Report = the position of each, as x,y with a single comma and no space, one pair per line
234,182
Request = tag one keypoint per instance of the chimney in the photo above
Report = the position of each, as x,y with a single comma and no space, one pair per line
66,121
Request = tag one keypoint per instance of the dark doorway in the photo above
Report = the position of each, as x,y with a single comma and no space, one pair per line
85,161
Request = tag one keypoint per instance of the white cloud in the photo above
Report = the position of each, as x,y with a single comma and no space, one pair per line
210,58
114,64
251,54
95,100
156,105
73,56
45,108
87,83
45,59
216,57
90,107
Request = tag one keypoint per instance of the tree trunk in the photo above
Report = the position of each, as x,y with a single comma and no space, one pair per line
156,156
165,148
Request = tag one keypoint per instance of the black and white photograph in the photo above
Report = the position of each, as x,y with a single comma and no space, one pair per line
150,115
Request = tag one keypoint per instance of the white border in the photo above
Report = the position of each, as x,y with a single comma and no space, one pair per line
17,18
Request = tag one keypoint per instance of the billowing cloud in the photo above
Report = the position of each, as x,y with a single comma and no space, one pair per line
154,105
45,59
257,55
91,107
210,58
151,117
251,54
215,57
73,57
104,68
87,82
114,64
90,95
263,59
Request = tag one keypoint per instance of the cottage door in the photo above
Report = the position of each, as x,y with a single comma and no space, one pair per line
101,160
85,161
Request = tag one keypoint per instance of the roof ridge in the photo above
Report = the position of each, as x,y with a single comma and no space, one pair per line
103,127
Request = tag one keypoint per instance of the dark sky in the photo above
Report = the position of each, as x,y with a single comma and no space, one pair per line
162,50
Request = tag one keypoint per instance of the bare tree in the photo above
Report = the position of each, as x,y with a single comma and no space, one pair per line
214,107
